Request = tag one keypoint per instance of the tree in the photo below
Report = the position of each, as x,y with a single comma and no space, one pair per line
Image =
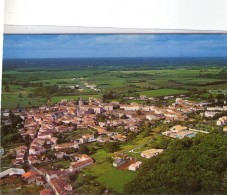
111,147
220,97
7,89
187,166
73,176
20,95
123,117
138,112
84,150
30,95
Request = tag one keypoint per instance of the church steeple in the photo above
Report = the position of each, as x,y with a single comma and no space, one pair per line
81,102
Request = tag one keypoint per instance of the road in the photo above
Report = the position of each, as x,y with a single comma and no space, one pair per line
47,184
137,147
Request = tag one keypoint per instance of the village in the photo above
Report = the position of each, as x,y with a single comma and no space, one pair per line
95,122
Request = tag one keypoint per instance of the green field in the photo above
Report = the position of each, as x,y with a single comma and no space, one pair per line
123,80
162,92
106,174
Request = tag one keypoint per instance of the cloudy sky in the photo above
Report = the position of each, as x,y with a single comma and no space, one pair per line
154,45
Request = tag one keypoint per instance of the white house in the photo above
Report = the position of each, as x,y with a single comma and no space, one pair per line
134,166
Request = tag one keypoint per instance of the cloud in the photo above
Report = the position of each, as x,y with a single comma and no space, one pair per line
115,45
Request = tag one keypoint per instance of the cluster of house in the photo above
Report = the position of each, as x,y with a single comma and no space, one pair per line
91,86
58,181
212,111
55,182
123,162
41,123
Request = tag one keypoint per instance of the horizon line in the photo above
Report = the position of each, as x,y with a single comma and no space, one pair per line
117,57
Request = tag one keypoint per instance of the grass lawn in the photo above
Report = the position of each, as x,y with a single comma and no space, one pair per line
116,179
64,163
108,175
162,92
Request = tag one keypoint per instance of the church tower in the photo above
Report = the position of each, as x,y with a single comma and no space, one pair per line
81,102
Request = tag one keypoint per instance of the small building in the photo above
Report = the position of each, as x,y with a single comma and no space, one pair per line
30,177
118,162
143,97
151,153
225,129
178,128
77,166
210,114
39,180
11,172
135,166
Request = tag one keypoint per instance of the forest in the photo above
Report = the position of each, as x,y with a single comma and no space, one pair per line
188,166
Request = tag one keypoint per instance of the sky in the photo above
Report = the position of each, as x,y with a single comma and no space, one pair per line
83,46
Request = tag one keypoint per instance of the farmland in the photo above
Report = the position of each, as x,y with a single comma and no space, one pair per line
28,83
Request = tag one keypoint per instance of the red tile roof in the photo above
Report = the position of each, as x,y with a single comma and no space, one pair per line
45,192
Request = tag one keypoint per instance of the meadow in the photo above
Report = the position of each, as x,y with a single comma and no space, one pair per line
106,174
30,83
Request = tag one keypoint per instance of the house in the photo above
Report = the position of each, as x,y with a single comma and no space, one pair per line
30,176
20,153
82,157
60,155
143,97
87,138
225,129
57,115
32,159
6,113
155,117
151,153
119,137
60,187
39,180
62,129
210,113
130,107
44,135
36,150
51,174
215,108
54,140
222,121
178,128
77,166
118,162
11,172
108,107
82,160
135,166
65,145
179,132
